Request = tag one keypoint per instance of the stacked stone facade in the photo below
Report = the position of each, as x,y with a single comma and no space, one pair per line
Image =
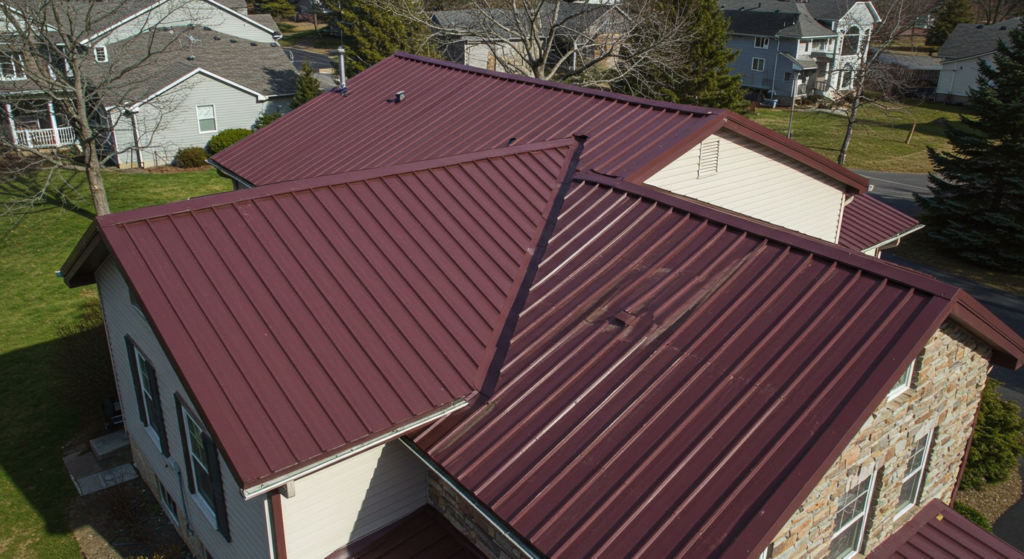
489,540
943,398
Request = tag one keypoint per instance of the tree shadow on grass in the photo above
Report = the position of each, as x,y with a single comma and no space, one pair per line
50,392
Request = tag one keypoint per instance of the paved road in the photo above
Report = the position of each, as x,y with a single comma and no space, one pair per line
896,190
316,60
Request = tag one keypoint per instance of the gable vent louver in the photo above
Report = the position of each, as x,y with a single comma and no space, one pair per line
708,158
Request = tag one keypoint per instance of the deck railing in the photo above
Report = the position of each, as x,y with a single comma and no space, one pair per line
46,138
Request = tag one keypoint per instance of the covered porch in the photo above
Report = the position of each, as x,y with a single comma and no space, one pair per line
35,124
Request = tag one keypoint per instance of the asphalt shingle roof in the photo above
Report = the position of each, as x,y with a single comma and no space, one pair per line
783,24
969,39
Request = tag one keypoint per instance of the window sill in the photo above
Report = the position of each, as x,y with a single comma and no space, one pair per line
156,438
908,511
902,398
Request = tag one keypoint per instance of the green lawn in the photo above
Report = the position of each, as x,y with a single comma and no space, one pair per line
919,247
879,137
35,490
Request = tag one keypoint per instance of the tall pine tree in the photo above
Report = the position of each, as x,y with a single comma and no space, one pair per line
306,86
374,33
950,14
707,79
977,208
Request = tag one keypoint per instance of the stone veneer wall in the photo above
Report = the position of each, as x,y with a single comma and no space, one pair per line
148,476
945,393
493,543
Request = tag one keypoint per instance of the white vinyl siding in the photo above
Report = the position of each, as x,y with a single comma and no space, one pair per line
753,180
247,519
351,499
957,77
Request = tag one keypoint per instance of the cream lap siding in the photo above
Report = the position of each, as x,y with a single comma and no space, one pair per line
169,122
756,181
247,519
351,499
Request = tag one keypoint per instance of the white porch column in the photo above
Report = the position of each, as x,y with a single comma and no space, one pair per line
53,124
10,122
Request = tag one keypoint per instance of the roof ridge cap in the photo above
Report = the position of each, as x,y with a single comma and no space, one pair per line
688,109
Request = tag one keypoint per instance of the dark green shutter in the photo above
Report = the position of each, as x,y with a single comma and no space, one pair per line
213,461
158,410
184,445
135,379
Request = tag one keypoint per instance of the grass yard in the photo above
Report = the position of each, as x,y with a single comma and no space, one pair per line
303,36
919,247
879,137
35,490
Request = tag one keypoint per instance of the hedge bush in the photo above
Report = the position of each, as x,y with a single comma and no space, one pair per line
191,157
972,514
998,440
221,140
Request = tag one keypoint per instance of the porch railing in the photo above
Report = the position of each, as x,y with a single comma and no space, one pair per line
46,138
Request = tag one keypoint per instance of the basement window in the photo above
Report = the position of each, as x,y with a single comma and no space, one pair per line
168,501
851,519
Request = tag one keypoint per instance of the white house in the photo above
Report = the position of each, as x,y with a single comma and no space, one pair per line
966,46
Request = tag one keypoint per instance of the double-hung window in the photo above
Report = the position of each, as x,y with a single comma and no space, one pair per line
147,393
199,462
761,42
910,491
12,66
757,65
207,115
851,520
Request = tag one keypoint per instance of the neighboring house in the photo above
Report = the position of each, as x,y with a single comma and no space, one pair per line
837,56
783,54
965,48
492,39
546,331
920,71
201,55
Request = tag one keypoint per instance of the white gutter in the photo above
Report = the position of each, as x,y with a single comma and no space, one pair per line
871,248
491,518
349,452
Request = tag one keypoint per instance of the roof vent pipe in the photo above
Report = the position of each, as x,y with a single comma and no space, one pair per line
341,66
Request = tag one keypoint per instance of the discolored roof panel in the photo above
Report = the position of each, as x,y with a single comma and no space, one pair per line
680,378
939,532
304,320
868,222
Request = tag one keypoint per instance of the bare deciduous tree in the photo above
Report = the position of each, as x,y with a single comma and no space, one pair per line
589,44
76,67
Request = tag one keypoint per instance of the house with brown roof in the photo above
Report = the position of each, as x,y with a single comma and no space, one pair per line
172,73
584,325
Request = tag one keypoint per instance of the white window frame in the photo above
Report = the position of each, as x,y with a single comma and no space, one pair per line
754,64
199,121
140,370
100,54
14,67
861,518
197,496
905,381
915,473
761,42
167,500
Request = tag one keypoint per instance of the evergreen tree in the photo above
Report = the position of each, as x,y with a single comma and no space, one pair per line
281,9
376,34
977,209
950,14
306,86
707,79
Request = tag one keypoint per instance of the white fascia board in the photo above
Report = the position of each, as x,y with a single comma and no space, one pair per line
265,487
242,17
88,40
876,246
259,96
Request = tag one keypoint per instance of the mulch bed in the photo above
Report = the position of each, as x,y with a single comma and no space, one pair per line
993,500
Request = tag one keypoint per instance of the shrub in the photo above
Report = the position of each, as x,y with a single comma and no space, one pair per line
972,514
265,119
998,440
191,157
221,140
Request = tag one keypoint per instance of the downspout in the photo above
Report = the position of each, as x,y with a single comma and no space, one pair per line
181,491
53,124
135,131
775,64
491,518
10,122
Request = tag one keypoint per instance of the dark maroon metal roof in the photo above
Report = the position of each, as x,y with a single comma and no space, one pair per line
680,378
424,534
939,532
451,109
867,222
305,320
